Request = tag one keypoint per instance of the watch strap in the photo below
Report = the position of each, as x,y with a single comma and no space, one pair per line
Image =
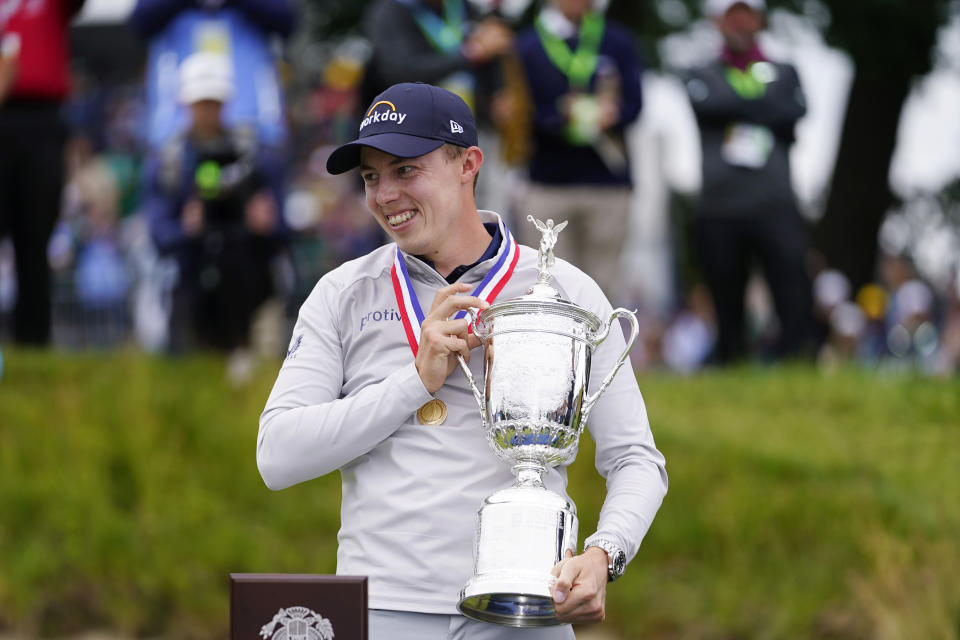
616,559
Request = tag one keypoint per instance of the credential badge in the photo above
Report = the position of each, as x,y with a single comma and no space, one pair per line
297,623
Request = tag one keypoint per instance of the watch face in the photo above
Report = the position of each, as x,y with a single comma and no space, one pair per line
619,563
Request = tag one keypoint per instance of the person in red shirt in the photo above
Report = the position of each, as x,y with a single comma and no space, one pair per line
34,81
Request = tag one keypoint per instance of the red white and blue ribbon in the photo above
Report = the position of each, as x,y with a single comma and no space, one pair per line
412,314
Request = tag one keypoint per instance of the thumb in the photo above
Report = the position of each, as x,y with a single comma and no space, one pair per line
559,594
473,341
566,573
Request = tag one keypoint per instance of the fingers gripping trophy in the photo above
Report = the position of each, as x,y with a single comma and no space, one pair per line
534,405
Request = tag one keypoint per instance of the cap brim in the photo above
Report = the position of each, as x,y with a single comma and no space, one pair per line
402,145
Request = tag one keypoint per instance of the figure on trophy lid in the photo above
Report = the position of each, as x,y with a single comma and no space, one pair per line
548,239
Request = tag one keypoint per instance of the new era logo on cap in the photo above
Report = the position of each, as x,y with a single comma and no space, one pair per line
409,120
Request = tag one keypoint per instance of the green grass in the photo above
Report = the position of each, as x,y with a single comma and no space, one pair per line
801,505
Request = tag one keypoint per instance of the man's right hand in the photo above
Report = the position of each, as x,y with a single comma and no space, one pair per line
191,218
491,38
441,340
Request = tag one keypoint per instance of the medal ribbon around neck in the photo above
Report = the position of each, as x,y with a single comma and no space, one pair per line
412,314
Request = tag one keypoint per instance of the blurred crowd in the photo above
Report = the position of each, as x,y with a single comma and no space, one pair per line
186,206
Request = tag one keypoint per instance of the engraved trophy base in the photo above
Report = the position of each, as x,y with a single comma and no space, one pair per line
522,532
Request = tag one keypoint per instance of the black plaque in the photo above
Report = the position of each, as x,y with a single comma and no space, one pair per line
292,606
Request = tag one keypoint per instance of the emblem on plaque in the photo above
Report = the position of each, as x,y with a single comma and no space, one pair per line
297,623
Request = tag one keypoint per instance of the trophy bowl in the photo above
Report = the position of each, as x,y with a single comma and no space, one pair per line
534,406
536,365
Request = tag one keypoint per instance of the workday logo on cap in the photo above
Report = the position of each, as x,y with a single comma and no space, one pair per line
387,114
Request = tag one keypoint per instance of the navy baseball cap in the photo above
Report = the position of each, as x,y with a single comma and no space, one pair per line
408,120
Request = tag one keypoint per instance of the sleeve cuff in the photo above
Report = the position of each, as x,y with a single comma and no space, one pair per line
414,395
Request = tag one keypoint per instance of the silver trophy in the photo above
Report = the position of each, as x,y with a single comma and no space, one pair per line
534,406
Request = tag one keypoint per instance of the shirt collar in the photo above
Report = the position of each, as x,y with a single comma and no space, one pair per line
491,221
495,240
556,23
742,60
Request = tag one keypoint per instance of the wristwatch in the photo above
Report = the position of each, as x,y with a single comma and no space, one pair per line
617,558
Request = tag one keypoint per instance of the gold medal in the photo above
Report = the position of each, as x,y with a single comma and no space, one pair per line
432,413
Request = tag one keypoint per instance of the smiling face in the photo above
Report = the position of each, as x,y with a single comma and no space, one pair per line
425,203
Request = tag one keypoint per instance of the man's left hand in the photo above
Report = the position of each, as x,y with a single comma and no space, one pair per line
580,592
9,63
260,213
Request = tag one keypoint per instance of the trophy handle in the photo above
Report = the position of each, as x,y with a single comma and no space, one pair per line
600,337
481,401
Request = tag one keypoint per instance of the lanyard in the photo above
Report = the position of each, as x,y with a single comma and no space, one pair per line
577,65
746,83
445,34
410,311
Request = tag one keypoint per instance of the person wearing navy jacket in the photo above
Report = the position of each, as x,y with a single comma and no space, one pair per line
583,72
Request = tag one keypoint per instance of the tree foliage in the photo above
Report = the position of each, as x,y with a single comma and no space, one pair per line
891,43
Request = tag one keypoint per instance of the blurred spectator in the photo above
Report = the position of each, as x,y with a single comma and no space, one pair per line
873,300
584,77
912,339
212,202
102,278
238,29
440,42
950,357
328,221
746,108
689,339
449,44
847,323
34,80
830,288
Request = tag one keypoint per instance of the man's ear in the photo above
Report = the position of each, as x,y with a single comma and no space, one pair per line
472,161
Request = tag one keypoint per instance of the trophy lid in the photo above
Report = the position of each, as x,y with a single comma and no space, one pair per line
542,298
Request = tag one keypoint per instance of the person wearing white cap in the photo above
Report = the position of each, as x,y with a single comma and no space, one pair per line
206,84
206,76
746,108
212,202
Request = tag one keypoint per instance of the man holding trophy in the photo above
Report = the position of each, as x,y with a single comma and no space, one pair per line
461,522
